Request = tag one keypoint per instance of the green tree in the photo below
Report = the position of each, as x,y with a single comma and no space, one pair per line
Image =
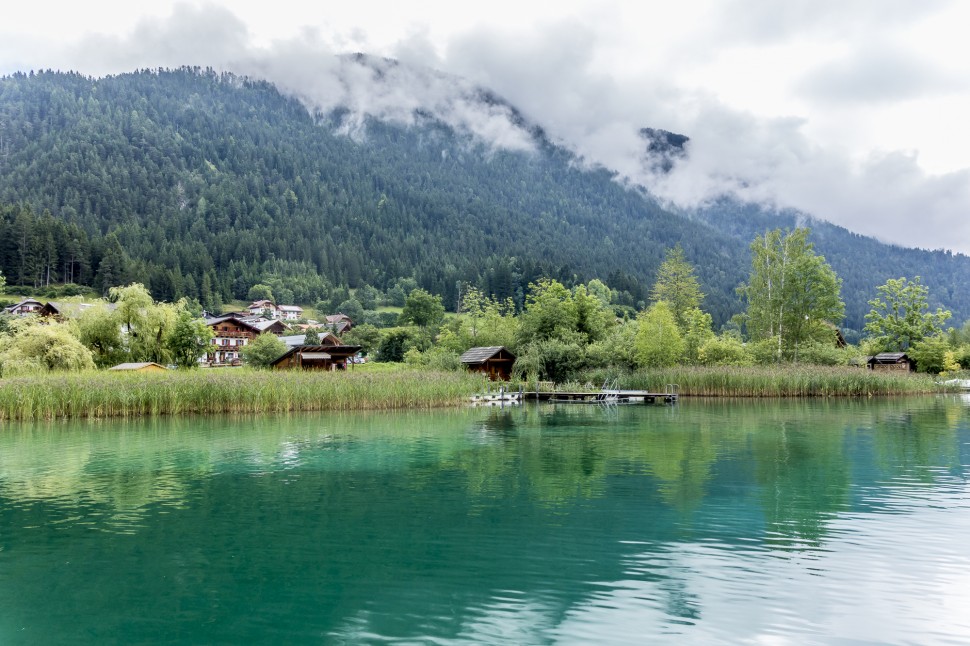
263,350
367,336
99,331
367,296
593,317
790,292
189,340
549,312
697,332
394,344
677,285
899,318
132,305
659,343
422,309
311,336
260,292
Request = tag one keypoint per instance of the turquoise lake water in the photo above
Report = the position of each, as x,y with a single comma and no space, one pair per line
760,522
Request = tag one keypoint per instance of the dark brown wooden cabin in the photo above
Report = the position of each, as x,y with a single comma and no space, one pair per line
494,361
891,362
316,357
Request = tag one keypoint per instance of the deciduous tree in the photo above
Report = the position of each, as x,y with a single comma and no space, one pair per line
263,350
677,285
899,317
659,342
791,291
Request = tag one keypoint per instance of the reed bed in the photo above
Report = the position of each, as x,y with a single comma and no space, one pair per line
781,381
112,394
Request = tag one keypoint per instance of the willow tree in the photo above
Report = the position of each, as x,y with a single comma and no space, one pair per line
792,294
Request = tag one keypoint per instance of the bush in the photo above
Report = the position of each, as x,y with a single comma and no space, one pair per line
263,350
724,350
822,354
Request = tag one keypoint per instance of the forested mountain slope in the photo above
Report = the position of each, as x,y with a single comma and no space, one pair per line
203,184
220,179
862,262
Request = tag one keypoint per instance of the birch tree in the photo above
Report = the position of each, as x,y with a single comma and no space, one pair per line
791,293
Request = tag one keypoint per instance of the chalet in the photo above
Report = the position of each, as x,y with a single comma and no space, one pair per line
289,312
147,366
339,323
891,361
494,361
263,308
316,357
270,310
231,332
24,307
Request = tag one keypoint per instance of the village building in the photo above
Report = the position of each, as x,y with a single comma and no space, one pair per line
289,312
494,361
339,323
232,332
891,362
270,310
25,307
263,308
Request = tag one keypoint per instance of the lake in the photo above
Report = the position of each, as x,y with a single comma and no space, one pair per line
764,522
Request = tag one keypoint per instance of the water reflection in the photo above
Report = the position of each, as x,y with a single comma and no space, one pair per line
712,520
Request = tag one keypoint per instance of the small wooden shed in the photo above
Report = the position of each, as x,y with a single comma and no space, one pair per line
891,362
147,366
316,357
495,361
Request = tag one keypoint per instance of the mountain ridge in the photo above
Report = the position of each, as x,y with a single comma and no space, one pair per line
202,178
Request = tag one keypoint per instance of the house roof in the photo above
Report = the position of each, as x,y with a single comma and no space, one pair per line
482,354
137,366
318,351
26,301
289,308
889,357
326,338
263,325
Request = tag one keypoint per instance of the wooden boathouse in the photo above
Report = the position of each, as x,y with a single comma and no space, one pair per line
494,361
891,362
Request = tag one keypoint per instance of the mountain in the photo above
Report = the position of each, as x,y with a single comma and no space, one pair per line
202,184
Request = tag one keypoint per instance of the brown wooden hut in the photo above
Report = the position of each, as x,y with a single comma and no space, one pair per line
891,362
494,361
316,357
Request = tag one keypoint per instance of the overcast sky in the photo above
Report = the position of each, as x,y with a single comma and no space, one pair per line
852,110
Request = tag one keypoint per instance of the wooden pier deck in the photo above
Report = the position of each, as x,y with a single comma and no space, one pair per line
603,397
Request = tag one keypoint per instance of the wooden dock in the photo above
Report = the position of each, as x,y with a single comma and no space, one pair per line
606,396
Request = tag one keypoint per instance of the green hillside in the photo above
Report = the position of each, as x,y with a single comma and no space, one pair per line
203,184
